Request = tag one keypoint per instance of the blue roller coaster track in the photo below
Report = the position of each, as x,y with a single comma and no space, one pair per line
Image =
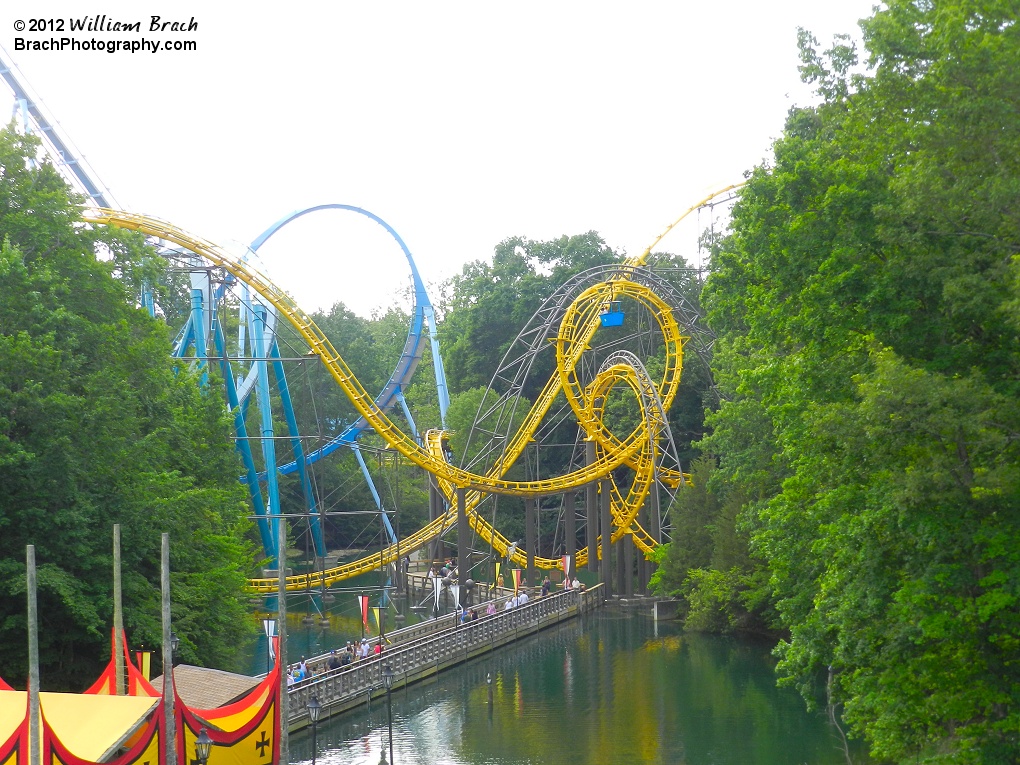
257,340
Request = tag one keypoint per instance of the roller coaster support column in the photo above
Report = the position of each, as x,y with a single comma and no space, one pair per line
146,299
654,517
607,535
265,409
591,505
434,510
387,526
655,521
198,320
530,537
642,562
625,564
463,535
299,452
437,358
569,529
243,444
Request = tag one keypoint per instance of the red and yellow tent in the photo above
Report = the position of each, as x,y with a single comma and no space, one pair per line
100,727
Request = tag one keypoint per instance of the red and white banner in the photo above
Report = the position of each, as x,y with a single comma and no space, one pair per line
364,610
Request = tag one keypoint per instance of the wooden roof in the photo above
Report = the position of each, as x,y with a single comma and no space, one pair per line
202,688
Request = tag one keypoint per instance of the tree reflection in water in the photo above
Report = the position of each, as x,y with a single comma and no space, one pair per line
614,688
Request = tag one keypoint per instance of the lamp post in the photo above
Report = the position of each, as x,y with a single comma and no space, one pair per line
314,710
203,747
175,643
387,673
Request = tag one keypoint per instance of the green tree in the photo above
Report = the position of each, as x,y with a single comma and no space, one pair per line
707,565
694,515
490,304
97,429
865,305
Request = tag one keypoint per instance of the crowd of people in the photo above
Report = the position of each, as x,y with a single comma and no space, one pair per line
448,569
366,648
337,659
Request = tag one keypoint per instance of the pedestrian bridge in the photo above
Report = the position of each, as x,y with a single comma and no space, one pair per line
425,649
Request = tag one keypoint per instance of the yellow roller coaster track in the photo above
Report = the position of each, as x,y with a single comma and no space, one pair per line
577,327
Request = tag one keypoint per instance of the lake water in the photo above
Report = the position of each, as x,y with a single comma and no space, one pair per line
611,688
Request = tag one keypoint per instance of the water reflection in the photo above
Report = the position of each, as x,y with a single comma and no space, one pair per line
612,689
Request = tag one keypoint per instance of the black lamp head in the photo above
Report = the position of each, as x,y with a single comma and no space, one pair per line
203,746
314,709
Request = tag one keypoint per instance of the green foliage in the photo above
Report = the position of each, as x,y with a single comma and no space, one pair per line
464,408
694,514
714,600
490,304
708,565
96,429
866,305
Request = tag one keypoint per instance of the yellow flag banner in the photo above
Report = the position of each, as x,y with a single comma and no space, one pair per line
143,660
255,743
138,684
244,733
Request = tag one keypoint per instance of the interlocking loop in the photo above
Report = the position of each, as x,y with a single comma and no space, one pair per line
639,450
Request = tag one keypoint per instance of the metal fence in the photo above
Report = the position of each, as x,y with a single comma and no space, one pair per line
413,660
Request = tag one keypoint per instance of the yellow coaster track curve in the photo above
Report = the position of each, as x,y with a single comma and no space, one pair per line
577,327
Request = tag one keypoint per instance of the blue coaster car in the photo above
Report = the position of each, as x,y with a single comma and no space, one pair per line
612,314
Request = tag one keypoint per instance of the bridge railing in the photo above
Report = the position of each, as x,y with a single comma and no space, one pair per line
412,660
404,634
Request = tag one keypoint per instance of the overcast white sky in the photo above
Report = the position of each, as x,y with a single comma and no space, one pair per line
459,123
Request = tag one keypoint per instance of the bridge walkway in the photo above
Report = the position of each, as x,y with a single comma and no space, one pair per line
434,650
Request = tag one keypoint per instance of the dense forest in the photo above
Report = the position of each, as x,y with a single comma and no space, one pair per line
96,428
853,448
859,492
